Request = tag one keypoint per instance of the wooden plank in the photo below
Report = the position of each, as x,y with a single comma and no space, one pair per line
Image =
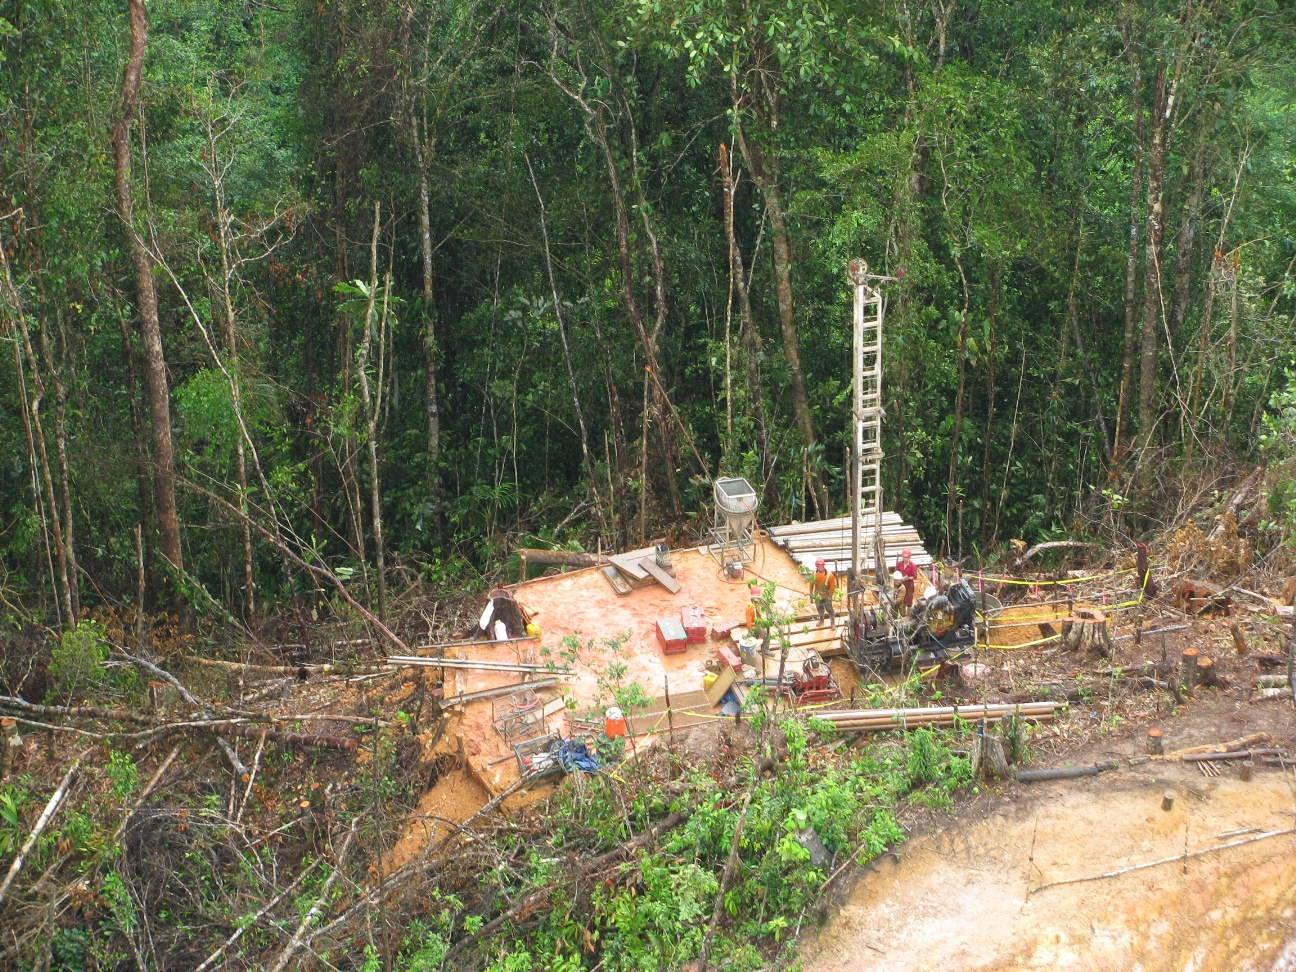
613,577
630,568
838,523
716,690
660,576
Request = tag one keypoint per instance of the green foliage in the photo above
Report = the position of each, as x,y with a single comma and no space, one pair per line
77,661
124,774
12,799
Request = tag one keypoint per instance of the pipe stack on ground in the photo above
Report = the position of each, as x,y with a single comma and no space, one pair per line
475,664
883,720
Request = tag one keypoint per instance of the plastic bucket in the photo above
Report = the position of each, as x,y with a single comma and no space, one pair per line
614,724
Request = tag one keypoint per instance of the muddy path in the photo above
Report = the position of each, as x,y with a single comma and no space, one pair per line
970,896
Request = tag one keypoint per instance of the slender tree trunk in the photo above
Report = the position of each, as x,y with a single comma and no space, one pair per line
749,336
1131,270
571,373
1073,318
168,520
764,171
371,415
990,398
36,436
1230,343
139,447
431,402
1153,299
1184,239
960,350
65,478
223,220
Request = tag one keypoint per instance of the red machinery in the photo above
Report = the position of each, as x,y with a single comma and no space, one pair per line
813,684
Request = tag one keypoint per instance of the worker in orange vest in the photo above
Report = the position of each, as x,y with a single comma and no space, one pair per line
822,589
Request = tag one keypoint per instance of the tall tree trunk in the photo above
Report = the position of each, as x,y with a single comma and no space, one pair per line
139,448
65,479
1184,239
1131,270
36,435
1230,343
571,372
748,334
764,171
432,408
990,398
960,346
371,413
1153,300
168,520
231,347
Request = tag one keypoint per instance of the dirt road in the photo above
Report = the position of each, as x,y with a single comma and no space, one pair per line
970,897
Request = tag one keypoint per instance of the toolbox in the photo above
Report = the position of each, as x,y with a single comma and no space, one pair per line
693,619
729,657
671,636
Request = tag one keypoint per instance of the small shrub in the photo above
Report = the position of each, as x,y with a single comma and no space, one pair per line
77,661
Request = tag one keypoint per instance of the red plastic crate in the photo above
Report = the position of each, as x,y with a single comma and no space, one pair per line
695,624
671,636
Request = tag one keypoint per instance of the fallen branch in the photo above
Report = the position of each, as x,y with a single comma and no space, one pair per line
78,711
1165,860
233,939
345,744
148,788
239,769
535,899
1063,772
1052,545
295,943
51,808
730,864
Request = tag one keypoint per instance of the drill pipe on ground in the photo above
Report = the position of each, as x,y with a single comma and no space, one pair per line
1063,772
878,720
475,664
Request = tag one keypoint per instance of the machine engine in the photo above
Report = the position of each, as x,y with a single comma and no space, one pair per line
935,630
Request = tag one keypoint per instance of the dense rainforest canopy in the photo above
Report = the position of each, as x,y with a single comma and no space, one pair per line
392,286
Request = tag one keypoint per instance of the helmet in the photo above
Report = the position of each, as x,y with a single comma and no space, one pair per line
906,553
821,563
755,594
897,577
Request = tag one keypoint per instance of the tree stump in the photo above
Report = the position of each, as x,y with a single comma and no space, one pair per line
1154,744
988,759
1208,672
1188,670
1239,639
1086,630
1013,728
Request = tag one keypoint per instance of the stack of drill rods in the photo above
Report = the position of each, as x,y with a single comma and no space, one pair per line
881,720
481,665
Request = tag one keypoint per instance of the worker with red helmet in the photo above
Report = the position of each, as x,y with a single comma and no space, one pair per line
822,589
908,570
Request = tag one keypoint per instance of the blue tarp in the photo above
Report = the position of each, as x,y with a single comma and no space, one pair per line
577,756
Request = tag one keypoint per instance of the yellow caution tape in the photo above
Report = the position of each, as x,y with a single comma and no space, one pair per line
1052,583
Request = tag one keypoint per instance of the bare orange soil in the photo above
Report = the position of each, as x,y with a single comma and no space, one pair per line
970,897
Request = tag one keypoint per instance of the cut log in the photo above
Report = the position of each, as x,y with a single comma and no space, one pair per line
1052,545
557,558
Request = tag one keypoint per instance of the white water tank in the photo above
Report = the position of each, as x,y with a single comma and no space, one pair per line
736,504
